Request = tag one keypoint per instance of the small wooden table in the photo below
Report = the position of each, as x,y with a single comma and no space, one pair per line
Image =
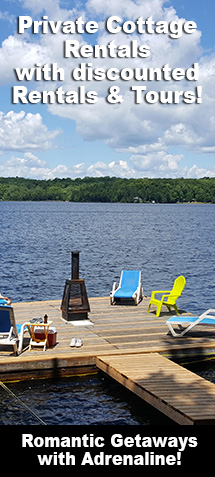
36,341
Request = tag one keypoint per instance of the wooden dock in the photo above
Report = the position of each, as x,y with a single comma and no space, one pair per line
176,392
126,332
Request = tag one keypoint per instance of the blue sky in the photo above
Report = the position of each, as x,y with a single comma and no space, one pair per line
124,139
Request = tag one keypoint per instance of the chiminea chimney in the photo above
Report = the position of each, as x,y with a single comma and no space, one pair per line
75,305
75,265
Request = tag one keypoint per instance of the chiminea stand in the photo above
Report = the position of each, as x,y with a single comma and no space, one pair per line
75,305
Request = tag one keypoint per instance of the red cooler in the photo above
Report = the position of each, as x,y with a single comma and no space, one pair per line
52,335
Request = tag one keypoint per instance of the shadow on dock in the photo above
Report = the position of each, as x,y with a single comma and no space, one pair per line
181,395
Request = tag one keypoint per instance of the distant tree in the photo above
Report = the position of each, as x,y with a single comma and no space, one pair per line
108,189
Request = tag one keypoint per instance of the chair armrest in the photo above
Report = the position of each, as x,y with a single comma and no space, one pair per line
207,312
170,296
174,294
159,292
115,286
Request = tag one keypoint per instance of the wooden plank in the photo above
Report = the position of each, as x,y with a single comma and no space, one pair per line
181,395
117,330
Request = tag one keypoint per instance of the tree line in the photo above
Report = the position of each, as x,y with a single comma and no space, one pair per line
108,189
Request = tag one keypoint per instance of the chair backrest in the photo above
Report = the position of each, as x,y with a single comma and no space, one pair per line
7,320
130,279
179,285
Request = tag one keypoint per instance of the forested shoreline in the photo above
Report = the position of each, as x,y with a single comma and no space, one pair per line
108,189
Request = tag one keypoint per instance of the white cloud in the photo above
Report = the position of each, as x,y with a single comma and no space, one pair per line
181,134
156,164
146,132
24,131
115,168
130,125
7,17
198,172
24,166
28,159
18,53
150,165
38,6
30,166
126,8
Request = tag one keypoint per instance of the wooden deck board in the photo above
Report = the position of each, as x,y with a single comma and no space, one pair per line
173,390
115,327
118,331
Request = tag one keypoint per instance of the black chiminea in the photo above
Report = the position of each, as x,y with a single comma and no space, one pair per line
75,305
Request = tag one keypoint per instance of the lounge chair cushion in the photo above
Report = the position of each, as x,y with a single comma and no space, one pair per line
129,284
5,324
124,293
190,319
206,318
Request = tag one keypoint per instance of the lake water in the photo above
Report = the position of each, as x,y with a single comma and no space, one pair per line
89,400
163,241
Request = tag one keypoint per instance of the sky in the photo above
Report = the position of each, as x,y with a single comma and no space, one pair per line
119,136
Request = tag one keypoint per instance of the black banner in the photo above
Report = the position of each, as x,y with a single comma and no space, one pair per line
146,448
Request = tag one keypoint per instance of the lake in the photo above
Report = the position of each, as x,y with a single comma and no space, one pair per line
163,241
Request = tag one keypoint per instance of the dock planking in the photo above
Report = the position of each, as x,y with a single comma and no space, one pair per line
114,328
112,331
178,393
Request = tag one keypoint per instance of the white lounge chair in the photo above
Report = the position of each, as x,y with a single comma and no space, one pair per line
207,318
11,334
129,288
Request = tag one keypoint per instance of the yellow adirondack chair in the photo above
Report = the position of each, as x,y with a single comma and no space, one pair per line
169,297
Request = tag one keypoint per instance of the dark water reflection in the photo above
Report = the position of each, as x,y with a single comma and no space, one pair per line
89,400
